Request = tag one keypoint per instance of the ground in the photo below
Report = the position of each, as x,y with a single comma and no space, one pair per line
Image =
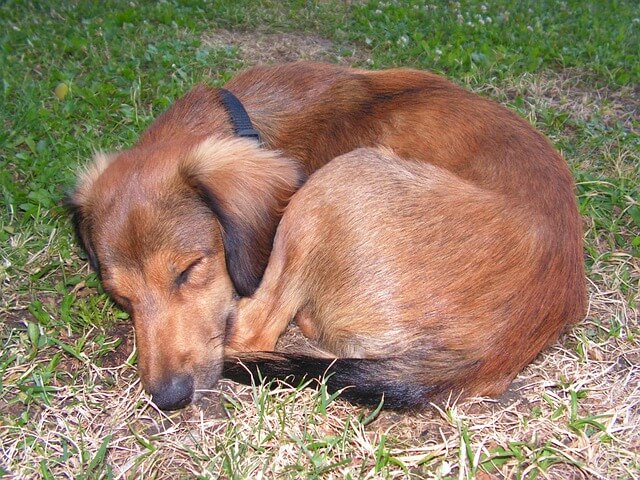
70,401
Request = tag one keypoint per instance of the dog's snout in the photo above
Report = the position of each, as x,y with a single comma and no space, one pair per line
174,393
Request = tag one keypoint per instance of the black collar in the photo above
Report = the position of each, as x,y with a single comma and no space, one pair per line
242,125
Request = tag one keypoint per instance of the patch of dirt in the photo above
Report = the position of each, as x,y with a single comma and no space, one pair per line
257,47
11,409
212,405
513,395
118,356
15,319
572,92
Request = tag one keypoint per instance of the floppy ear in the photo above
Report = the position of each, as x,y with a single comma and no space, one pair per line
79,203
247,187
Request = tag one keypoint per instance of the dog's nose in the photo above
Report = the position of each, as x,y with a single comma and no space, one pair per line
174,393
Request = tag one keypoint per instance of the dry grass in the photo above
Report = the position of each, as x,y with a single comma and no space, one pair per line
571,91
265,47
574,413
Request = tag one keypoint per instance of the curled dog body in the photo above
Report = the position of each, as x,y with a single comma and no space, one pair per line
181,225
426,285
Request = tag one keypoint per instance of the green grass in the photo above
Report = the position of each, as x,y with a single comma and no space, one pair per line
67,392
503,38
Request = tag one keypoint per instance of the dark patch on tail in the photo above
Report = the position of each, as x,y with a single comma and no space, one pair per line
365,381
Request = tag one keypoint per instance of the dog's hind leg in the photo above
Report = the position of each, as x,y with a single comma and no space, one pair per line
305,322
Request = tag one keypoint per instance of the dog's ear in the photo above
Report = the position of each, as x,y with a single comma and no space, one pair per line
247,187
79,203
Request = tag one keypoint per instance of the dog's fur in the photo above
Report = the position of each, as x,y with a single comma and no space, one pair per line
448,271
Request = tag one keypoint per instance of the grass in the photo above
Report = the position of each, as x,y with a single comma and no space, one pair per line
70,402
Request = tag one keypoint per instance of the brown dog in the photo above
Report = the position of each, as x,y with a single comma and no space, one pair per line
183,222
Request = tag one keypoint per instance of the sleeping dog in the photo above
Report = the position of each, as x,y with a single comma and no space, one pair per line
442,262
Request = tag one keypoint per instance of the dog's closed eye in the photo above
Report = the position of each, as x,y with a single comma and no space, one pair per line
183,277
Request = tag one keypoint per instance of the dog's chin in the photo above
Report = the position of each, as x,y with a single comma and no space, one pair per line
206,382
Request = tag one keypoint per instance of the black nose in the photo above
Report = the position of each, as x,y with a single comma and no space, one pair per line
174,393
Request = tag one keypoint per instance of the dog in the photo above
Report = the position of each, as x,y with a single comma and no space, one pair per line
180,227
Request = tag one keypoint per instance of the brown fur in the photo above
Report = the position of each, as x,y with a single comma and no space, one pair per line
473,278
448,280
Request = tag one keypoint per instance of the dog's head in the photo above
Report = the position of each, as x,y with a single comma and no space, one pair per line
177,234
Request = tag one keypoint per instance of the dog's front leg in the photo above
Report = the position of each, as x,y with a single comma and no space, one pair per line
262,318
259,324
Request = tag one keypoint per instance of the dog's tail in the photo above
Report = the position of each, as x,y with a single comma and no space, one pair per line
362,381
